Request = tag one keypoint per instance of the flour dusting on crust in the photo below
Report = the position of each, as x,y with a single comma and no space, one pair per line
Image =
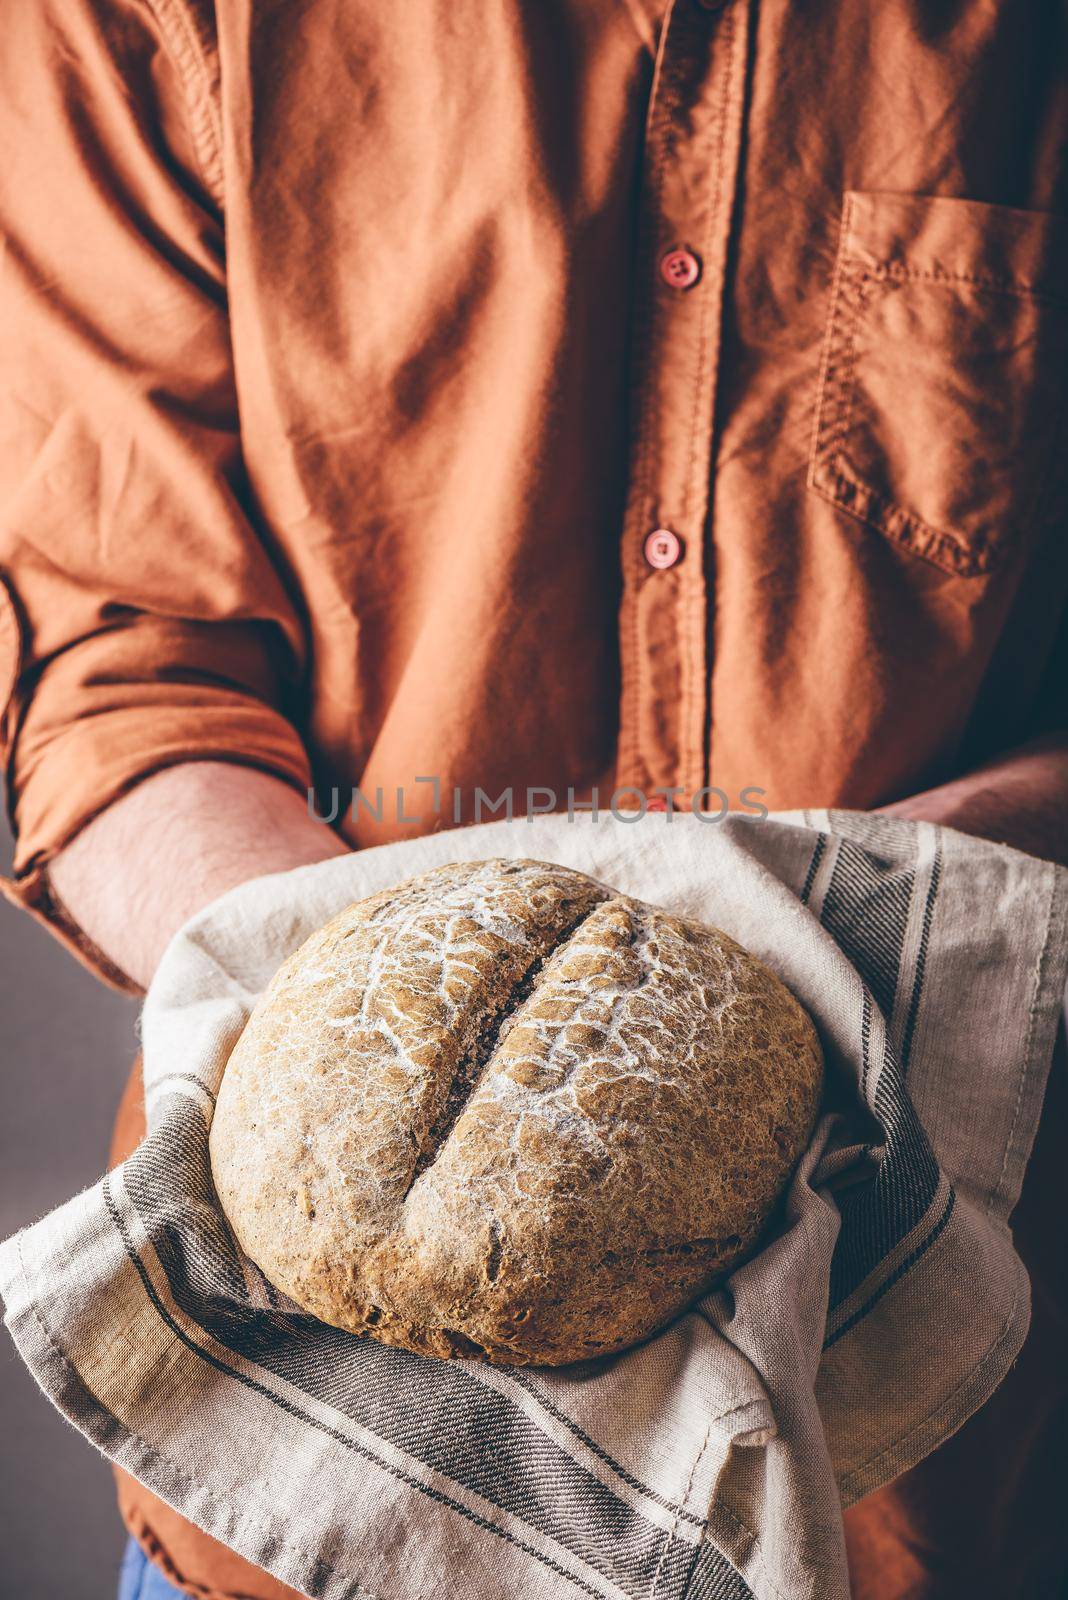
503,1111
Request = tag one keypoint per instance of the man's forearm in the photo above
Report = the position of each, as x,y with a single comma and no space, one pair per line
140,869
1020,799
134,874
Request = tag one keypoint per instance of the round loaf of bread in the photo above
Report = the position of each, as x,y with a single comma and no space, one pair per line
502,1111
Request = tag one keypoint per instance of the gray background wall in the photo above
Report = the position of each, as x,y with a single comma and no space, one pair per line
66,1044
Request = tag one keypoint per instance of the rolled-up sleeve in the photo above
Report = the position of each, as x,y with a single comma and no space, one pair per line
143,621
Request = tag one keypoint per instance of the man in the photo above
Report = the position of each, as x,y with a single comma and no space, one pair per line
664,395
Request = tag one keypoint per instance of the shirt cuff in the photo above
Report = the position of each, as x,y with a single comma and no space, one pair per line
96,760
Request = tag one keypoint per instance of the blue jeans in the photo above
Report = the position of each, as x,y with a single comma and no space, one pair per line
140,1580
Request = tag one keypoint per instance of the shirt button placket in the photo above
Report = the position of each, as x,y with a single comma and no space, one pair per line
692,147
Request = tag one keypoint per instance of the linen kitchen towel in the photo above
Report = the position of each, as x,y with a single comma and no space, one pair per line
712,1462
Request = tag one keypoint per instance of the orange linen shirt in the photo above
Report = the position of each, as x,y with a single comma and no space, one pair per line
528,396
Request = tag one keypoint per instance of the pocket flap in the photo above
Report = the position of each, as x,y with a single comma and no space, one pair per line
942,385
901,235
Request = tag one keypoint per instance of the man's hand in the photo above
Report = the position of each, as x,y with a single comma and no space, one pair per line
1020,799
134,874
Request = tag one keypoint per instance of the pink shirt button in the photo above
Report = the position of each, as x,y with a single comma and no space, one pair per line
662,548
680,268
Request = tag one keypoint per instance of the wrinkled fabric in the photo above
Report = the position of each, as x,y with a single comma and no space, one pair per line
140,1579
340,392
885,1304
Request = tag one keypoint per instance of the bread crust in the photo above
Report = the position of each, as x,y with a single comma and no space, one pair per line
502,1111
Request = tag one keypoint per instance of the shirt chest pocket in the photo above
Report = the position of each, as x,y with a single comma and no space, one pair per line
945,367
